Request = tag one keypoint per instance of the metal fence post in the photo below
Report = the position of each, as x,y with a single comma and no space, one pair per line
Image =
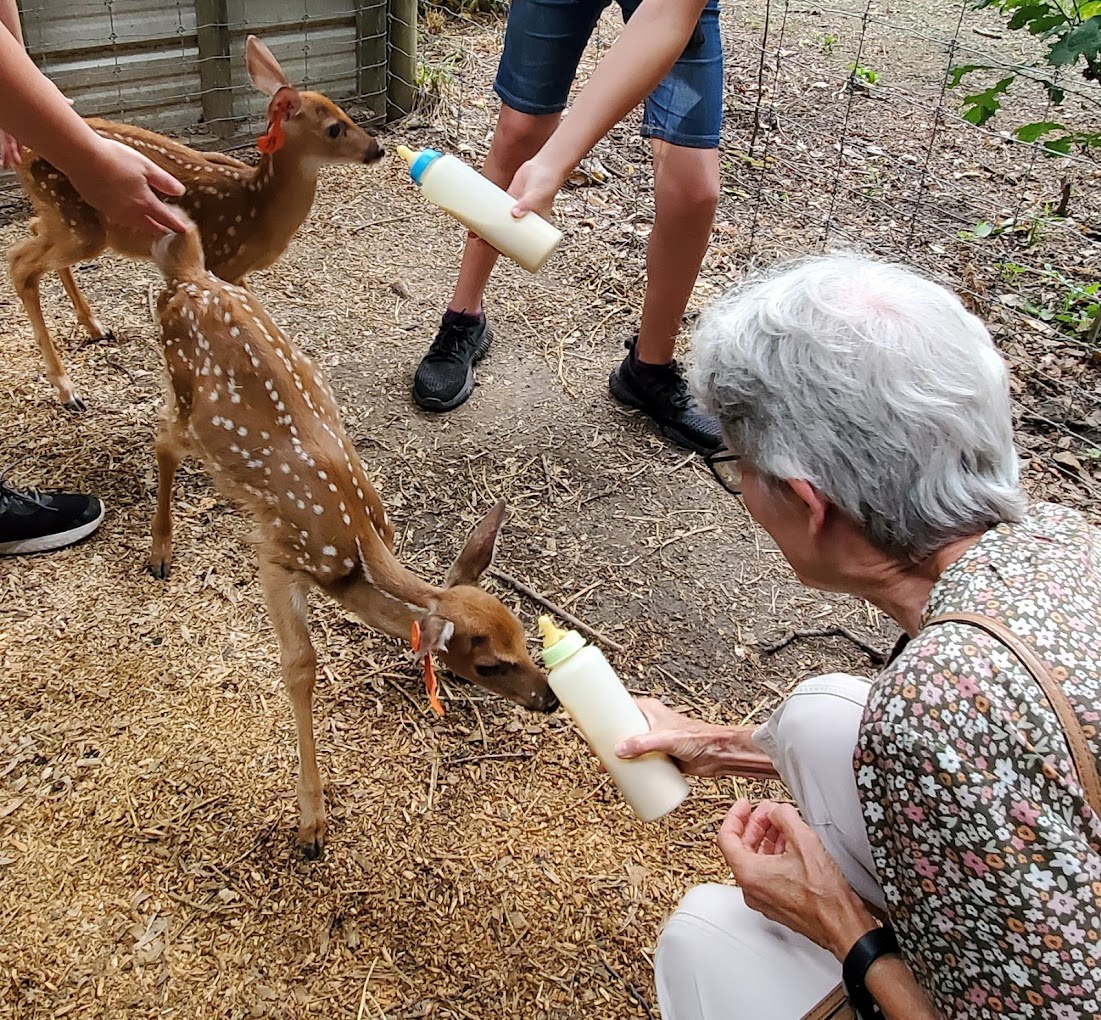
215,69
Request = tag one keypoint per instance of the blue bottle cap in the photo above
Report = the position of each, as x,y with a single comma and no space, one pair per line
424,159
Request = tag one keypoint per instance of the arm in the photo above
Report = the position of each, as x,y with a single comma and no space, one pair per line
699,748
785,873
114,178
646,49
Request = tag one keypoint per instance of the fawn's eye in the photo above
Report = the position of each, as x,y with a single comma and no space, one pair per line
492,670
336,130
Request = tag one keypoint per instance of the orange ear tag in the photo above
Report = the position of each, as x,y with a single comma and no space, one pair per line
278,112
429,672
274,139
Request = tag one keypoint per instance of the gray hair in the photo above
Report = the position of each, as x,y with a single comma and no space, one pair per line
875,385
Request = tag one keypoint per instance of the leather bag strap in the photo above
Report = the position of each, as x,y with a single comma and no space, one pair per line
1084,761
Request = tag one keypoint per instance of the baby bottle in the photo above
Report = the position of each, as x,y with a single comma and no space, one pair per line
482,207
605,713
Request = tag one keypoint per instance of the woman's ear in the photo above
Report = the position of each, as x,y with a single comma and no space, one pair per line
817,505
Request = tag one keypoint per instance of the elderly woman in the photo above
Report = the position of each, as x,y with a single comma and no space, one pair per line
866,417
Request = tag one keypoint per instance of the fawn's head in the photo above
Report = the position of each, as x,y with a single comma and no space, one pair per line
316,127
476,635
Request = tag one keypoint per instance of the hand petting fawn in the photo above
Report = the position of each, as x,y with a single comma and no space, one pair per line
262,418
246,215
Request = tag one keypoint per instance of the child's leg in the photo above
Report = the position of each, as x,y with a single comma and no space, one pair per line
544,40
683,116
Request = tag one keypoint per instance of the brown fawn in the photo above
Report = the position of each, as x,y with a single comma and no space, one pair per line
246,215
263,420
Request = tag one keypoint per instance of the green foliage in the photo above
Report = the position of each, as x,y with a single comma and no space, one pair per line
863,75
1073,29
1070,306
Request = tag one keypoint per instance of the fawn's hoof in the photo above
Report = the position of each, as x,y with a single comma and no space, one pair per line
75,405
159,568
312,851
311,839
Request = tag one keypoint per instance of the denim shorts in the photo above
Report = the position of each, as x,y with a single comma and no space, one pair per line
544,41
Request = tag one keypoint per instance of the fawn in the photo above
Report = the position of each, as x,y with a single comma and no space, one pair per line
246,215
263,420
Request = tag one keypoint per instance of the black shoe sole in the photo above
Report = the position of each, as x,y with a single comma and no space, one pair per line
669,431
430,403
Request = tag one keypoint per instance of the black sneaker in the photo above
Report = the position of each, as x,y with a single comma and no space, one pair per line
33,522
445,376
661,392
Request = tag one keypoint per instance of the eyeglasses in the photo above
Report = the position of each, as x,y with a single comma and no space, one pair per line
727,469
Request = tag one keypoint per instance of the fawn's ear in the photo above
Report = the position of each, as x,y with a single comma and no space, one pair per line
263,69
478,552
435,632
286,102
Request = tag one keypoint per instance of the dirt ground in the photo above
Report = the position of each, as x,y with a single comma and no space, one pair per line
478,866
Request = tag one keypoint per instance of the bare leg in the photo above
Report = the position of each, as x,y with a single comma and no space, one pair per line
686,192
286,598
517,137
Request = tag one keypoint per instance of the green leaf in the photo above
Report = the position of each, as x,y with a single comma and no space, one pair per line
1030,132
981,106
1058,146
955,74
1081,41
1089,10
1026,14
1054,93
984,229
1042,26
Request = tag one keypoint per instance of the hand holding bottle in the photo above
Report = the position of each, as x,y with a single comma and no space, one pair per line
699,748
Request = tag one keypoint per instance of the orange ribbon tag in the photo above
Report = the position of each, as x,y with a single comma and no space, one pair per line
429,671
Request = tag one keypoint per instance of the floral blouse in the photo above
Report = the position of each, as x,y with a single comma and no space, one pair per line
978,825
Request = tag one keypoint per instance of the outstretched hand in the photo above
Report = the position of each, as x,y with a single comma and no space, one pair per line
786,874
122,184
699,748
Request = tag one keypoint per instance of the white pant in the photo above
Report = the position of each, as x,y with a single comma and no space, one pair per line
716,958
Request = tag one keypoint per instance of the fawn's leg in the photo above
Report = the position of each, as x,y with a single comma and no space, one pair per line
168,460
54,247
285,593
85,316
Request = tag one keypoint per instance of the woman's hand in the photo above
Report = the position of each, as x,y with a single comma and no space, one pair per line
121,183
786,874
699,748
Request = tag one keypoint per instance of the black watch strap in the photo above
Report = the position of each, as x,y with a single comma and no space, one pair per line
867,949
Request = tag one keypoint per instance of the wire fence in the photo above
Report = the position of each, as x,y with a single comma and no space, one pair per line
841,129
178,65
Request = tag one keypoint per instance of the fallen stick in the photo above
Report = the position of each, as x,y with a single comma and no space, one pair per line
877,655
546,603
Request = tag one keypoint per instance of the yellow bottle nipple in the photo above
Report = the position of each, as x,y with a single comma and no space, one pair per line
407,154
551,634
